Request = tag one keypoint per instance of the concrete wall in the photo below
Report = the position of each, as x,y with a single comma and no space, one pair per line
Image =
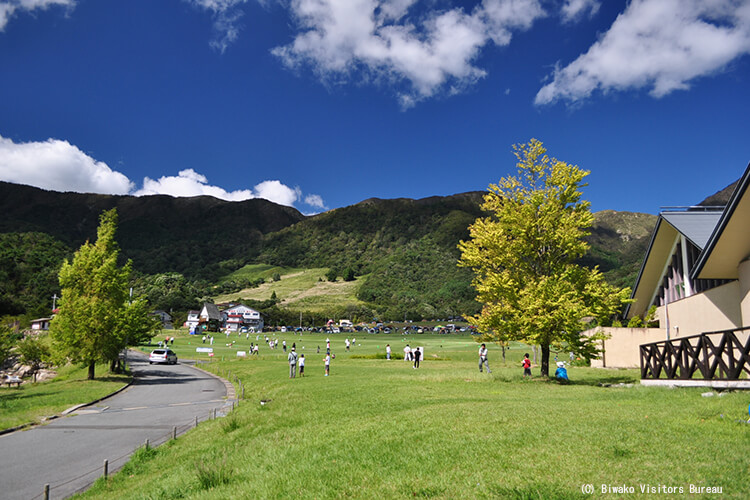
622,350
715,309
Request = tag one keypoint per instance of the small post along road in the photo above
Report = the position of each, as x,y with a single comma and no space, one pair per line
69,453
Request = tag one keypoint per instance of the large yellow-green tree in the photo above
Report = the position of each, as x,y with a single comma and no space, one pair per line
96,320
524,257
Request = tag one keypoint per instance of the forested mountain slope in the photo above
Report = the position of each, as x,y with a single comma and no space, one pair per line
406,248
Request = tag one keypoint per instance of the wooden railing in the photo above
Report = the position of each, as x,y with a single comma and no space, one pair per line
722,355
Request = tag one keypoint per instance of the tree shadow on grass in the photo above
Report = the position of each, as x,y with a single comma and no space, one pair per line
603,381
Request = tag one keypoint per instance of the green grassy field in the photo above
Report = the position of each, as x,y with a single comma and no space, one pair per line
30,402
304,289
381,429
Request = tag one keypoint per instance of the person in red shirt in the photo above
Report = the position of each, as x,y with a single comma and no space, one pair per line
526,366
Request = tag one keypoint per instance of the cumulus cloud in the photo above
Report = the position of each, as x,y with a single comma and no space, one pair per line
573,10
226,16
658,44
428,52
277,192
315,201
59,166
188,182
10,7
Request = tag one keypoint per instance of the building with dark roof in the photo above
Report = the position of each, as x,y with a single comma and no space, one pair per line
210,317
697,269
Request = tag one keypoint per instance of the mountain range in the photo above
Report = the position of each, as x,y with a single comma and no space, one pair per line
405,250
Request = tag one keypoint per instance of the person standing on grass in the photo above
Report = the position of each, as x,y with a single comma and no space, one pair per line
301,365
283,345
388,351
292,363
327,364
407,353
526,366
483,359
417,354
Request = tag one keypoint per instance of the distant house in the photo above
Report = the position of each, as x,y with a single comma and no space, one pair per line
164,317
697,268
193,318
41,324
239,316
210,317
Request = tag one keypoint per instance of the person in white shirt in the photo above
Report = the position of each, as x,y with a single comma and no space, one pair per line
483,358
407,353
328,364
388,351
302,365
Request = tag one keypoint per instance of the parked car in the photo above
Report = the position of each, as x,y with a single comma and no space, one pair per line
167,356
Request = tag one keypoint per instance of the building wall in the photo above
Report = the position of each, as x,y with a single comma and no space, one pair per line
743,271
709,311
622,349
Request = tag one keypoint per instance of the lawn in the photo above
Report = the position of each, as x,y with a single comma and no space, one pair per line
382,429
32,402
303,289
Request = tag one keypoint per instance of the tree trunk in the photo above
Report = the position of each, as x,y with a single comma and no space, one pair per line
92,368
545,360
503,354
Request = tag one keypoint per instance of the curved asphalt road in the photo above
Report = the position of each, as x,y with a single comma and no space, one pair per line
69,453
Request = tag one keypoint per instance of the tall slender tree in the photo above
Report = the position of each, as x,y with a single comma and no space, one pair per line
94,316
524,257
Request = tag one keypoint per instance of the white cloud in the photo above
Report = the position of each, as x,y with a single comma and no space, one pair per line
58,165
190,183
573,10
429,53
316,201
503,16
656,44
9,7
226,15
277,192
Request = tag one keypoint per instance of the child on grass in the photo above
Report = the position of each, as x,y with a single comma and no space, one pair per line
526,366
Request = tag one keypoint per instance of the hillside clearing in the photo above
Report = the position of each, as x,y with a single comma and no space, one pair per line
303,289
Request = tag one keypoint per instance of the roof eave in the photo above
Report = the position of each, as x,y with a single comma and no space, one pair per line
723,221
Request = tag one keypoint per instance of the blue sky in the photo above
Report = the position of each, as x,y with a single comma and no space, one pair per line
320,104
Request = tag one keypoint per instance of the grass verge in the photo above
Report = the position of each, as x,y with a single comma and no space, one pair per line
31,402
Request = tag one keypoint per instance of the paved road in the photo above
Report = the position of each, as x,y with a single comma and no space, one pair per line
69,453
